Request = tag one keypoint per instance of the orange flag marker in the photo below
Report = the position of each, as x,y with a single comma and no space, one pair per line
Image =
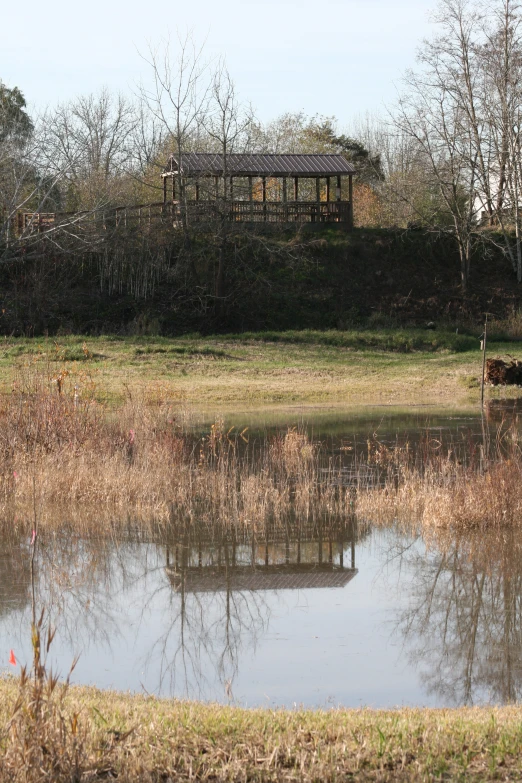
12,659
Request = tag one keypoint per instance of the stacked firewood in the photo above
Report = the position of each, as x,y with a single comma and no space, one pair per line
500,373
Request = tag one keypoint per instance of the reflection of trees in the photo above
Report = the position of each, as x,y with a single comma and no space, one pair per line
205,634
15,578
200,588
216,614
75,584
465,618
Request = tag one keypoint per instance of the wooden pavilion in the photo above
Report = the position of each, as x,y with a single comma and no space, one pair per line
256,188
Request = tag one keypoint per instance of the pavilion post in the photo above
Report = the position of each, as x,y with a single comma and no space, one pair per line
264,197
285,199
196,210
164,190
338,197
317,216
328,188
296,197
350,206
251,197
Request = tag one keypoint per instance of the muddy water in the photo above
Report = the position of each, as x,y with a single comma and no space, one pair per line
345,615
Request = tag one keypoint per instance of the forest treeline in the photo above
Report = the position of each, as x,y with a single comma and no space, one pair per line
444,161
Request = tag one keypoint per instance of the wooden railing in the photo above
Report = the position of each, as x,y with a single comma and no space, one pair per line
139,214
291,211
143,216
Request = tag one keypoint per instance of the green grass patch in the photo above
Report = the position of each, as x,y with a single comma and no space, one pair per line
181,350
349,367
395,340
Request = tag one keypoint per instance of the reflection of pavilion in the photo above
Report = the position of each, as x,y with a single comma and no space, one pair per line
290,557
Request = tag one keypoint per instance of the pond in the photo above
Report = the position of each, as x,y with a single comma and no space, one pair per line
348,614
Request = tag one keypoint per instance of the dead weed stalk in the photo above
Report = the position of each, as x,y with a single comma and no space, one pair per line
45,739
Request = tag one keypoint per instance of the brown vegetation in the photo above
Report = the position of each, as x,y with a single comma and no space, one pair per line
132,738
63,456
43,739
444,490
499,372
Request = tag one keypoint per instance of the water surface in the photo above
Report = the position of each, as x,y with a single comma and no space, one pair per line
312,614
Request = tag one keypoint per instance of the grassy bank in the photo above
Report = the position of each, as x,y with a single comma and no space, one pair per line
270,368
107,735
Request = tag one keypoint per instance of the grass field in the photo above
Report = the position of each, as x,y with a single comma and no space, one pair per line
343,368
96,735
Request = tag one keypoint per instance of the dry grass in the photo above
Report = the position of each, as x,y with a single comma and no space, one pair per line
67,458
42,739
439,490
64,457
131,738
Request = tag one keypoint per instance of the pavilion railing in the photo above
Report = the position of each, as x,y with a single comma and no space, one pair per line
291,211
145,216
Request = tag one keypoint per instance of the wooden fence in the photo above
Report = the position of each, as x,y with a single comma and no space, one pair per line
144,216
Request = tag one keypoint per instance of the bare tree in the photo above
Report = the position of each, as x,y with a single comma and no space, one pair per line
228,124
439,112
177,101
28,187
90,140
501,60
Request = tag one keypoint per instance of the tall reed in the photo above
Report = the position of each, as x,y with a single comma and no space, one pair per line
444,491
65,457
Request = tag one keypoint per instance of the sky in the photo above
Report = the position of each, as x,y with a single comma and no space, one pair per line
331,57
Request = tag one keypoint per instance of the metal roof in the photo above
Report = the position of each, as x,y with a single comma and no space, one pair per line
197,164
246,578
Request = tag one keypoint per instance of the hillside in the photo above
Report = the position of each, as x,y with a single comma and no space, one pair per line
319,280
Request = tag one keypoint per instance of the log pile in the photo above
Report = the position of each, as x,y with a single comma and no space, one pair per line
501,373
